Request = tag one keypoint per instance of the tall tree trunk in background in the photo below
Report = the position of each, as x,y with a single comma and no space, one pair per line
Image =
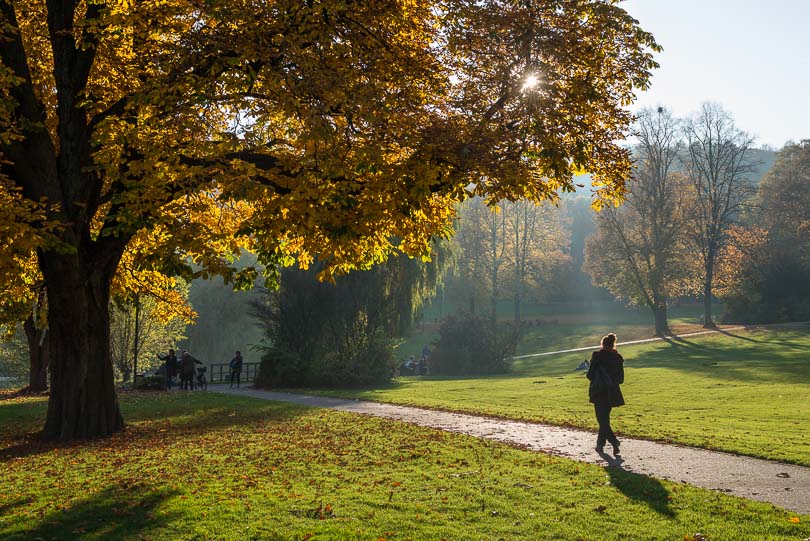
659,298
38,354
708,322
659,309
82,401
136,344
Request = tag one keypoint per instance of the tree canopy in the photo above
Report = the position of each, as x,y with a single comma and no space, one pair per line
342,130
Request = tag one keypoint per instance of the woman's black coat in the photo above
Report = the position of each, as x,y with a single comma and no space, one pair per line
613,364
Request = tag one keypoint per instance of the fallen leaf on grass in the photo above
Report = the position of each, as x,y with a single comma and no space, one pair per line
696,537
795,520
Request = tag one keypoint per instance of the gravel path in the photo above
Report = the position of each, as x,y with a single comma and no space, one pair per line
784,485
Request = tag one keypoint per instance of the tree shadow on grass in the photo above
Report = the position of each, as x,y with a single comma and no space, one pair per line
639,488
16,416
150,426
116,512
755,341
729,362
11,506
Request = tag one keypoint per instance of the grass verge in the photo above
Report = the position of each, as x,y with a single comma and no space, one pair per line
204,466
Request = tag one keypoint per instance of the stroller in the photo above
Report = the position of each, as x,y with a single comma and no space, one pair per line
202,381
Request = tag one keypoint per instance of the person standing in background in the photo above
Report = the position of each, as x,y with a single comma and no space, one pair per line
171,367
187,363
236,368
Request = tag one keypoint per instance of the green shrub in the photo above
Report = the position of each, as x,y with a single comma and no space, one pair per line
150,383
280,368
329,335
470,345
774,291
366,360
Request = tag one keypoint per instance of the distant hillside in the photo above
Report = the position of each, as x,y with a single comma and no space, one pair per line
764,159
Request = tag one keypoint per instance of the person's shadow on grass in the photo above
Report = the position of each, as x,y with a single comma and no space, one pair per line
637,487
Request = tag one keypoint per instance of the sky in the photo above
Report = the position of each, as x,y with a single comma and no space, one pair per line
751,56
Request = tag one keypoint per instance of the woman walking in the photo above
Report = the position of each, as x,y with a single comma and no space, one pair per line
606,373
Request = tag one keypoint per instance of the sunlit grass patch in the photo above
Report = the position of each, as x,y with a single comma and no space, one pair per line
204,466
745,393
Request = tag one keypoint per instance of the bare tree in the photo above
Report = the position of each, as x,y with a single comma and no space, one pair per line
522,224
495,230
718,163
639,250
482,237
535,239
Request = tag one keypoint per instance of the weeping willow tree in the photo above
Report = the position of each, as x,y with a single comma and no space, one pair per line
344,333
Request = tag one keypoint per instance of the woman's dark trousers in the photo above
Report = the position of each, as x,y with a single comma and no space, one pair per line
603,418
236,374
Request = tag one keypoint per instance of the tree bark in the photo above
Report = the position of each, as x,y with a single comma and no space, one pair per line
661,323
38,354
708,323
659,299
83,402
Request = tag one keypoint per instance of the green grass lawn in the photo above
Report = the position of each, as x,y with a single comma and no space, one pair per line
205,466
746,393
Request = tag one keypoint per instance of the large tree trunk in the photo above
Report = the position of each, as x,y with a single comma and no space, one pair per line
659,308
37,354
82,402
661,323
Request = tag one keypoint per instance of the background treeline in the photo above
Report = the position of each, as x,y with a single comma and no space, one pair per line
769,253
708,217
698,222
